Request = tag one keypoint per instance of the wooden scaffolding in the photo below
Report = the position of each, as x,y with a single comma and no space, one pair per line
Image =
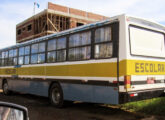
49,23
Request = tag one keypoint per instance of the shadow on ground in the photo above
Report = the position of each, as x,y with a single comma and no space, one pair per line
40,109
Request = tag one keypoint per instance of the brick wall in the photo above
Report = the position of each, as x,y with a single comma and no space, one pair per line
24,33
57,7
75,11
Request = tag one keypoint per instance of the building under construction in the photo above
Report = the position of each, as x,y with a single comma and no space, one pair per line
54,19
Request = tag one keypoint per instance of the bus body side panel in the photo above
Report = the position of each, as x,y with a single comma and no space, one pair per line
73,92
90,93
0,83
31,87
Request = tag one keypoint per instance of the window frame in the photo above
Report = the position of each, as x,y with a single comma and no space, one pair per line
81,46
143,28
56,50
106,42
37,53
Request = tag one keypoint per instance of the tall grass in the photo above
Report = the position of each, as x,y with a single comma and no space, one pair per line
154,106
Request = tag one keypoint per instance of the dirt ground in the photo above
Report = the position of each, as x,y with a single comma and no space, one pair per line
40,109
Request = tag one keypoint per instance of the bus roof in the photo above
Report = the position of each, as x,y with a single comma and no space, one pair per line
88,26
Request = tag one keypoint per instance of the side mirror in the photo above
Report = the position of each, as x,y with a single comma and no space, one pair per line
9,111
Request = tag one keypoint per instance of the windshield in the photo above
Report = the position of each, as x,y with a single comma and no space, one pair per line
146,42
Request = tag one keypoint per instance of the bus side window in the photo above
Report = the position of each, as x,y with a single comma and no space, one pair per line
21,56
0,59
11,53
61,49
34,48
37,53
27,50
80,46
51,48
41,58
15,53
103,43
6,53
26,60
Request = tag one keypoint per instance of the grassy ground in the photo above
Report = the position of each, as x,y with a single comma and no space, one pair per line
154,106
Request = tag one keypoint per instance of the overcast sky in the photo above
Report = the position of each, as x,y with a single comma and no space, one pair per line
14,11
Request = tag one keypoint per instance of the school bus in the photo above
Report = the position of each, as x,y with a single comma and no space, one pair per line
115,61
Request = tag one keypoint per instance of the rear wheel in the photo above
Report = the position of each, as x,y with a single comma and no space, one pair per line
5,88
56,96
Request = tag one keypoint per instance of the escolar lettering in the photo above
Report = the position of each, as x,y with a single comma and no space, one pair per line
149,67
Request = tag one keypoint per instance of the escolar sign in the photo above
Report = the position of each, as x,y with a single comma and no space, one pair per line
149,67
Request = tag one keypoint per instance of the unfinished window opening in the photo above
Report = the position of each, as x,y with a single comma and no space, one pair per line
23,29
79,24
19,32
29,27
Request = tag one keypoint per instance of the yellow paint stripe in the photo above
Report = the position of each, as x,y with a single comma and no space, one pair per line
127,67
89,70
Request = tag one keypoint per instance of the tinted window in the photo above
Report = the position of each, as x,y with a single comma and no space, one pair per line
15,52
20,60
41,58
26,60
103,50
61,43
15,61
41,47
10,53
34,58
103,34
3,54
61,55
0,62
51,45
80,39
6,54
27,50
34,48
81,53
51,57
21,51
3,62
10,61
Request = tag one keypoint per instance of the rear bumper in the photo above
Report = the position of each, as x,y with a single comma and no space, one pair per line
140,95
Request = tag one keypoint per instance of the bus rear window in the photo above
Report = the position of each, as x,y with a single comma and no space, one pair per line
145,42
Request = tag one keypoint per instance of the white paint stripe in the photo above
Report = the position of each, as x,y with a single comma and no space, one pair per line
110,79
6,67
147,86
121,78
5,75
144,77
112,60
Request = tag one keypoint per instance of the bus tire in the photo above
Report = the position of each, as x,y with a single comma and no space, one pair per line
56,95
5,88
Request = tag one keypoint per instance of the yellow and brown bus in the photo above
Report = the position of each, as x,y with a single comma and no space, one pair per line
118,60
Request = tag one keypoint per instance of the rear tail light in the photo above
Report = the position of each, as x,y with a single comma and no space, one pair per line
133,94
127,82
